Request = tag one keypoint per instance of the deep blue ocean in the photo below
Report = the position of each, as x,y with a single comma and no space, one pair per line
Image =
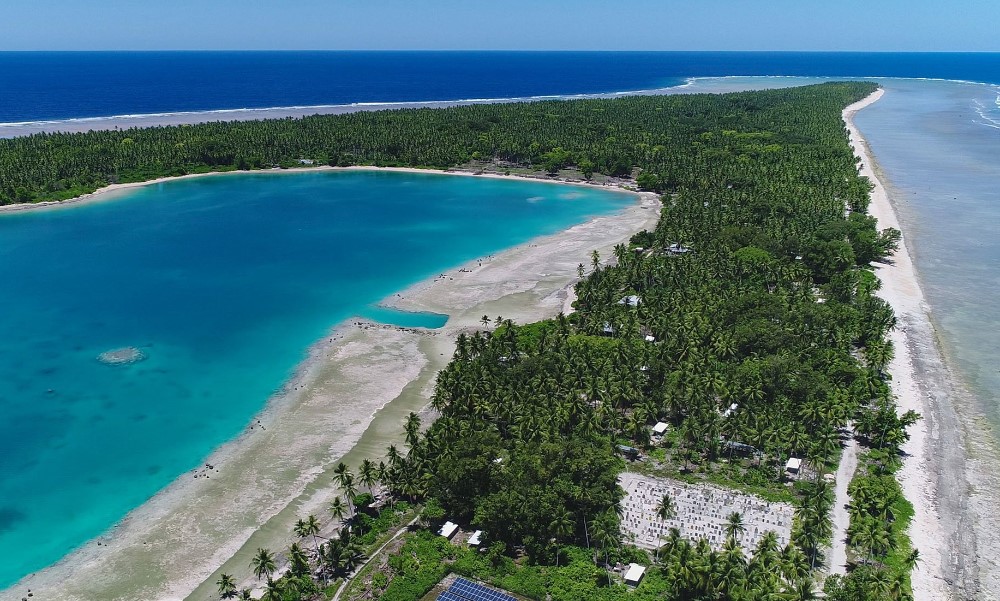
202,289
36,86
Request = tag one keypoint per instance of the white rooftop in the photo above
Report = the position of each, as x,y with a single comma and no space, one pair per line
631,300
476,538
634,573
660,427
794,463
448,530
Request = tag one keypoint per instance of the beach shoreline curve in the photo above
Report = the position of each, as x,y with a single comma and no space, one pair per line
345,401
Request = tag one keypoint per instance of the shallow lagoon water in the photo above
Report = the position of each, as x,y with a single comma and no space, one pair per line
938,142
405,319
221,284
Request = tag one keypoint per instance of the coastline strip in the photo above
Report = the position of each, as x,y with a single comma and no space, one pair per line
933,473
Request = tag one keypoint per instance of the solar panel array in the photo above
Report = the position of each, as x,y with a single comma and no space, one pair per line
465,590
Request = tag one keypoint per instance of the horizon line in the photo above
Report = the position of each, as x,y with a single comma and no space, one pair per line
508,50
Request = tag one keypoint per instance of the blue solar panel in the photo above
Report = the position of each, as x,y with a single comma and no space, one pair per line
465,590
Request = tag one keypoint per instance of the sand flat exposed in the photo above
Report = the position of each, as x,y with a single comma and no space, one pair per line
347,402
933,475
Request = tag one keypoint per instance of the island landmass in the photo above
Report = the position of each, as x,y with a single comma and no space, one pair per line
735,342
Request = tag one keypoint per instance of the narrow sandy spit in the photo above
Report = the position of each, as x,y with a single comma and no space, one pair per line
347,402
933,475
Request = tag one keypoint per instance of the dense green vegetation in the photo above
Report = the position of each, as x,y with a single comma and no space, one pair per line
877,536
685,570
774,310
676,140
771,309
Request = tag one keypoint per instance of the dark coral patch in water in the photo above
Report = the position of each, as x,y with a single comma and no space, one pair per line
9,517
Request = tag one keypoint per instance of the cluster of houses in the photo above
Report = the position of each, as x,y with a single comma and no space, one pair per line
631,574
450,529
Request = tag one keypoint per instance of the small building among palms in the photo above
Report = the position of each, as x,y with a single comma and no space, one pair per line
634,573
448,530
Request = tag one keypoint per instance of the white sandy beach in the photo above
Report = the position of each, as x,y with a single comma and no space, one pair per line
933,474
347,402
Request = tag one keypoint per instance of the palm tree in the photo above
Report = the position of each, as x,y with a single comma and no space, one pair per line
393,456
350,492
734,526
794,563
881,583
562,524
340,472
310,527
263,563
337,508
368,474
412,429
802,590
767,546
382,474
666,509
298,560
246,594
606,532
273,591
911,560
562,528
227,586
674,540
898,589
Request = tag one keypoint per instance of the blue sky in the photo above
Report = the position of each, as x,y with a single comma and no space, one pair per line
873,25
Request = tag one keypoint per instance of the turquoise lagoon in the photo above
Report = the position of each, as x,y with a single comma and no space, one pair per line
222,283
